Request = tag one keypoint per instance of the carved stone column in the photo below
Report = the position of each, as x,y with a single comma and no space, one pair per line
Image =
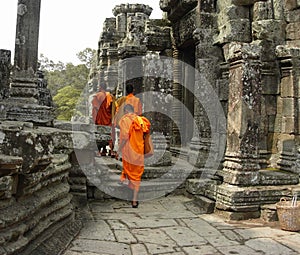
23,103
208,72
177,94
244,109
287,141
111,75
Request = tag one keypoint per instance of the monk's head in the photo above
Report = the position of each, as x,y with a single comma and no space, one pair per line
129,89
102,86
128,108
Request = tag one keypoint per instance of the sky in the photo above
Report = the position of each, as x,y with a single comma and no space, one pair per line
66,26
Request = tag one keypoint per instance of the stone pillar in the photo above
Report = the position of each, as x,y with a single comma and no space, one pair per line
157,107
177,94
287,141
5,68
111,75
241,164
27,35
208,72
24,101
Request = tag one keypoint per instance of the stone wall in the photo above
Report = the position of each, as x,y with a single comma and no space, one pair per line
35,199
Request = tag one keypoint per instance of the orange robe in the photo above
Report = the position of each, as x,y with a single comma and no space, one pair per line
132,132
120,103
102,112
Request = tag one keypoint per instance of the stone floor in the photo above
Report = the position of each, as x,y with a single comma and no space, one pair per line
171,225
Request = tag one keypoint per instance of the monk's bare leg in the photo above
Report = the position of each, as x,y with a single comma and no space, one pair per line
135,197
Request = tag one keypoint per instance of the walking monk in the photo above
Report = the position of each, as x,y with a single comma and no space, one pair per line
130,98
102,109
132,129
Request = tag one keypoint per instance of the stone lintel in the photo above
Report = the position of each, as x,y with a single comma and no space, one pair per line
132,8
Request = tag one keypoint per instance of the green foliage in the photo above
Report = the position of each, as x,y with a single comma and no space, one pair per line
86,56
66,81
66,99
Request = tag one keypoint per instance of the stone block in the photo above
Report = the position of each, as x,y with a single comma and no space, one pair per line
293,16
288,125
270,85
228,215
288,107
270,104
262,11
269,30
269,213
293,44
290,4
232,12
287,88
293,31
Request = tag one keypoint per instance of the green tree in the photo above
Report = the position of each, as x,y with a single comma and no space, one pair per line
66,100
66,82
86,56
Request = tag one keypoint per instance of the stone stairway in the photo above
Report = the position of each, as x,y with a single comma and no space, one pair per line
157,181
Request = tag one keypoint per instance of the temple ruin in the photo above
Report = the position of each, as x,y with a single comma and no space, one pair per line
225,75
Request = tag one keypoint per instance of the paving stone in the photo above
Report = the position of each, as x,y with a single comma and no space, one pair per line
165,226
98,230
149,223
116,225
238,249
169,215
100,247
139,249
269,247
231,235
113,216
201,227
292,241
124,236
154,236
261,232
184,236
159,248
220,240
203,249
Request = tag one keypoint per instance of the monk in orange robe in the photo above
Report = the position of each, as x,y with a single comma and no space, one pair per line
132,129
102,110
102,107
131,99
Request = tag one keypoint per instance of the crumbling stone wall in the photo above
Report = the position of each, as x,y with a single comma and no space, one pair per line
35,198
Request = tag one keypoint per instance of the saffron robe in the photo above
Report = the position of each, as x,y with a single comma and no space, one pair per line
120,103
132,129
102,110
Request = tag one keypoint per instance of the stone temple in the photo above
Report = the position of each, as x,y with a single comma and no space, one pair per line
220,82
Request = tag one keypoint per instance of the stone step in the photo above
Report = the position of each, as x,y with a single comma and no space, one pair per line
180,169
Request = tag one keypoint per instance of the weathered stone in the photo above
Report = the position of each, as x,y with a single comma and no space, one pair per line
5,68
268,30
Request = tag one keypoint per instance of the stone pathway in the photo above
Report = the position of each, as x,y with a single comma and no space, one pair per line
166,226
